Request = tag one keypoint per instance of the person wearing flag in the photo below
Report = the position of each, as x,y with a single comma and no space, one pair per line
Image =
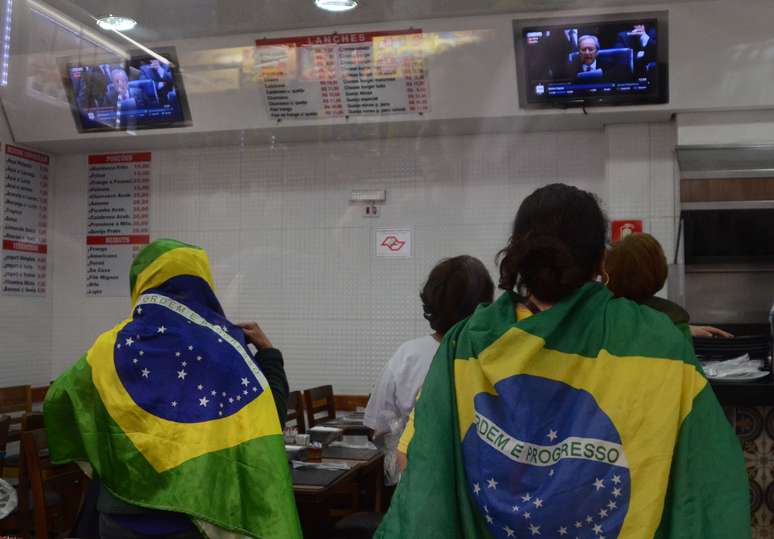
561,411
175,416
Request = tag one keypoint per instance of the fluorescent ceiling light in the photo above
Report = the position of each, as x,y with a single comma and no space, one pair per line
114,22
336,5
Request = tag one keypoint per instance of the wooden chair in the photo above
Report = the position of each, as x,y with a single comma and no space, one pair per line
319,400
57,490
296,411
15,401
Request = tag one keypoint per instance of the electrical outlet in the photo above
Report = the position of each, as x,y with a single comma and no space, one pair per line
371,210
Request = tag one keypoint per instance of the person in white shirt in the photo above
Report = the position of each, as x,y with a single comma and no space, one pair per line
454,288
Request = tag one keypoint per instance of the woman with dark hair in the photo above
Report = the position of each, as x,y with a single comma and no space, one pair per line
561,411
454,288
638,269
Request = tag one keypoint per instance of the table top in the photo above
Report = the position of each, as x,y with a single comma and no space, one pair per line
332,478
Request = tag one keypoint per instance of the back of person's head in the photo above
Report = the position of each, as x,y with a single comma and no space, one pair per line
637,267
557,243
453,290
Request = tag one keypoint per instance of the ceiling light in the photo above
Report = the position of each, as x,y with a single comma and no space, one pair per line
119,24
336,5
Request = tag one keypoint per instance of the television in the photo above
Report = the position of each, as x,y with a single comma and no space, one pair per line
141,92
586,61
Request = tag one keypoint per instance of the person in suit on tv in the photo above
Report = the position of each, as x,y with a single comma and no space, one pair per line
585,68
161,75
557,48
92,88
120,95
643,42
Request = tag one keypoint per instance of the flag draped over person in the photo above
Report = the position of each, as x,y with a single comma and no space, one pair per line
171,411
590,419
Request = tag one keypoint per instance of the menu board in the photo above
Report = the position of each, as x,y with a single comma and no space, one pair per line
343,75
117,222
25,222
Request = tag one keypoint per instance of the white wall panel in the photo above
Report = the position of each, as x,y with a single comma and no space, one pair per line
289,250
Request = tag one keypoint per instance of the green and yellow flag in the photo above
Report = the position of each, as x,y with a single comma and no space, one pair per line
591,419
170,410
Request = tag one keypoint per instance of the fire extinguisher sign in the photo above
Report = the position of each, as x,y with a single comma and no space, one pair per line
621,229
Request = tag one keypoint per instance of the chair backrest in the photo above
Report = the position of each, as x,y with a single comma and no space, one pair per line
68,481
319,400
15,400
296,411
32,421
147,87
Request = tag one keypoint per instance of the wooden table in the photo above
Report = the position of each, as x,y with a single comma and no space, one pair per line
351,425
314,502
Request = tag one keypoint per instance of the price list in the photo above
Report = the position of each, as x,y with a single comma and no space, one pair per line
118,219
25,222
343,75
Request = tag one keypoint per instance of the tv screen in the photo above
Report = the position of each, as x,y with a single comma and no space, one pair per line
592,62
142,92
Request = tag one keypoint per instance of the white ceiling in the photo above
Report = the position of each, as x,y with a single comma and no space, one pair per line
162,20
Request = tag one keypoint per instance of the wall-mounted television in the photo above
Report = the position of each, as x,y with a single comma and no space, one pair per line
585,61
142,92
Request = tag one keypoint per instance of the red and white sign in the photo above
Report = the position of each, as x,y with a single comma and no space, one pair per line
343,75
621,229
118,219
393,242
25,222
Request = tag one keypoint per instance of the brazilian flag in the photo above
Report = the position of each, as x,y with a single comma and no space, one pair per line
591,419
170,410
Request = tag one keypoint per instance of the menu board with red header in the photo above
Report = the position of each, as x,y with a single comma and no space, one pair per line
343,75
118,219
25,222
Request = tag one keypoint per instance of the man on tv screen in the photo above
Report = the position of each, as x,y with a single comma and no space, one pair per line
120,95
586,68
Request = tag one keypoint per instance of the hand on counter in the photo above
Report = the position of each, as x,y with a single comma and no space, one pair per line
710,331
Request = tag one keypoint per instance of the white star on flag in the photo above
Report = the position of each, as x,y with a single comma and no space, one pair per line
612,505
616,479
602,513
118,345
174,403
230,399
129,341
139,310
526,497
476,488
203,401
598,484
221,405
616,492
200,387
551,472
255,389
135,360
181,374
213,392
142,353
552,435
589,519
486,508
244,392
177,354
515,508
161,330
597,529
538,502
534,530
508,531
245,382
578,524
239,397
492,483
220,413
489,519
223,394
527,515
190,348
145,373
198,358
184,364
220,340
562,531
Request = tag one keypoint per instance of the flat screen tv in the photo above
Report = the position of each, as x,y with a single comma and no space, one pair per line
142,92
604,60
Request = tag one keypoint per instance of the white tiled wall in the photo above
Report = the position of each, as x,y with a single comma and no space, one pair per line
290,251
